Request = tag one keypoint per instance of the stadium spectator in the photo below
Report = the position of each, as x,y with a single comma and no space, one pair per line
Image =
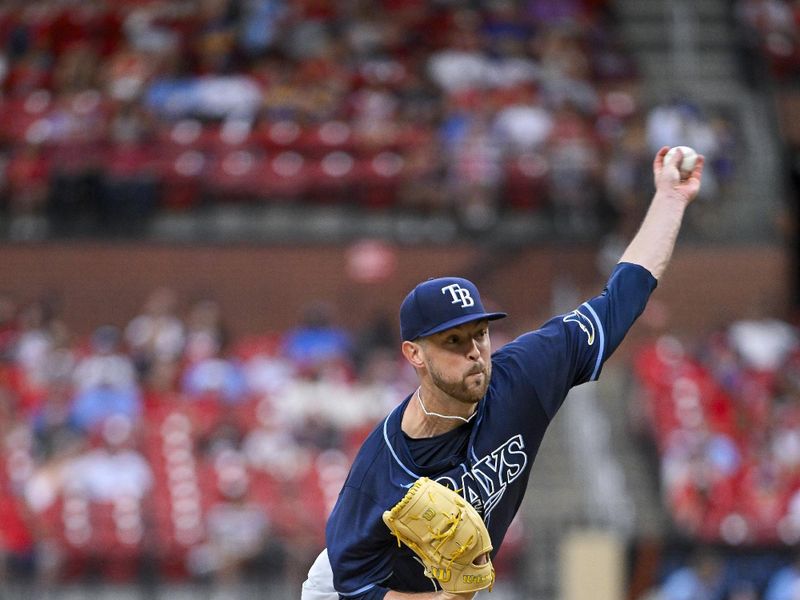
317,342
130,179
160,387
124,75
703,578
462,64
771,27
17,537
213,376
763,344
53,422
204,329
524,124
238,529
573,181
268,373
272,449
113,468
423,190
35,342
785,583
476,174
627,171
44,486
27,186
565,71
157,334
105,381
260,23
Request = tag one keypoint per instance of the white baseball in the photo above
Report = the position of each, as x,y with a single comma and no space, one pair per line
687,164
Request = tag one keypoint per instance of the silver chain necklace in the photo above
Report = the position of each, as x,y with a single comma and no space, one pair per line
435,414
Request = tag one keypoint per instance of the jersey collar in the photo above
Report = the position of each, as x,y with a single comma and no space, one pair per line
398,447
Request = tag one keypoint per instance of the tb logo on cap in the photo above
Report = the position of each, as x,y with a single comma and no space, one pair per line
459,295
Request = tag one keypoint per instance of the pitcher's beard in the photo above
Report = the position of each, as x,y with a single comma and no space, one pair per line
461,390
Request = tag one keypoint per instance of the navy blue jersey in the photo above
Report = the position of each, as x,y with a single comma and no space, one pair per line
530,378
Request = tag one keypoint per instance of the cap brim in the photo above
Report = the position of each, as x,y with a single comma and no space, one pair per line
492,316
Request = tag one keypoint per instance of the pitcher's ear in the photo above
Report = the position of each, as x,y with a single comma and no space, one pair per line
413,351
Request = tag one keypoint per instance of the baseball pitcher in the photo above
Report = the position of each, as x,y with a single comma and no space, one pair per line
435,486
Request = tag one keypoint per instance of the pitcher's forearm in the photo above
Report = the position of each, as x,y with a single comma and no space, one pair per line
653,244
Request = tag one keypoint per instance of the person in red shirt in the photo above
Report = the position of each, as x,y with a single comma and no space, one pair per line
16,537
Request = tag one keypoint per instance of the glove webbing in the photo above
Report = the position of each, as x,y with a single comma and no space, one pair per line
444,536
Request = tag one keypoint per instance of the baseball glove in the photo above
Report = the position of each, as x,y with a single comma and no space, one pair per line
447,533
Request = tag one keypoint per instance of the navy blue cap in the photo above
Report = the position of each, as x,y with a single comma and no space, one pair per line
439,304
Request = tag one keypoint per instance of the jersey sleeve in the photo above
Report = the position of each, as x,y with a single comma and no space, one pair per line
356,538
570,349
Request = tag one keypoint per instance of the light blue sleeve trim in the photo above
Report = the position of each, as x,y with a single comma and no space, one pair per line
394,455
359,590
602,340
366,587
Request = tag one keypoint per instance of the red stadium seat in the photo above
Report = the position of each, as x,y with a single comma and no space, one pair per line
526,184
24,119
334,179
286,178
180,173
330,136
279,136
129,161
234,176
381,177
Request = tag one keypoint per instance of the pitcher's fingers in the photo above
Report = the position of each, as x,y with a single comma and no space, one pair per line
658,161
698,167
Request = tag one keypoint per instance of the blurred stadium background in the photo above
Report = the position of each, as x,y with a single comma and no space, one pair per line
211,209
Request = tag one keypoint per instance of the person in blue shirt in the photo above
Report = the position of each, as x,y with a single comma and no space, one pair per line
477,419
785,583
703,578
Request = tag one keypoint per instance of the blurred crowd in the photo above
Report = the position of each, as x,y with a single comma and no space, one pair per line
113,111
165,444
724,414
166,449
721,411
771,29
709,573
